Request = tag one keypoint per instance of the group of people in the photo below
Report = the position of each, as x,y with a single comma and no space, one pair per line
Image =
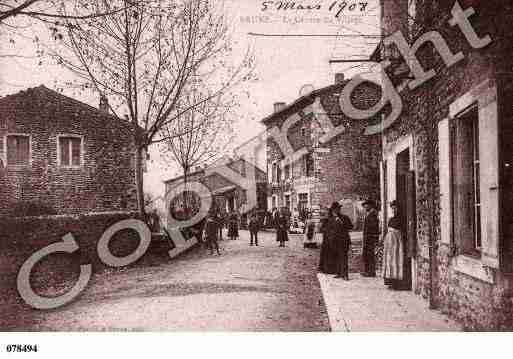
213,229
281,224
214,223
396,273
336,244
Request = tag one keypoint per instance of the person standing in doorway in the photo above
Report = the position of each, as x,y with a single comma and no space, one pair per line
393,250
282,226
254,227
370,238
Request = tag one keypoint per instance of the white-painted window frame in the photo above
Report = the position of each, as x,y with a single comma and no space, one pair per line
19,134
82,147
485,94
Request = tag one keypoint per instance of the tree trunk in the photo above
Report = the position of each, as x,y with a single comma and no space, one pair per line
185,204
139,181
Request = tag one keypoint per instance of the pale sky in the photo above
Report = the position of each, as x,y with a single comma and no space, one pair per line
283,64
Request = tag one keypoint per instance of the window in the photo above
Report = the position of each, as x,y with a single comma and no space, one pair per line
18,150
287,201
303,131
466,180
278,174
70,151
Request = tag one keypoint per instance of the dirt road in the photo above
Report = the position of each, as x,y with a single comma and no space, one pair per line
263,288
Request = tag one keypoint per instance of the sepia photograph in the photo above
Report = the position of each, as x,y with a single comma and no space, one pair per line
186,166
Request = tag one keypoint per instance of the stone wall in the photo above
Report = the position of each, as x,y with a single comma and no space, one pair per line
22,237
477,304
104,182
348,165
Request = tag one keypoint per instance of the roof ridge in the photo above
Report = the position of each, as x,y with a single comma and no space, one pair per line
42,89
305,97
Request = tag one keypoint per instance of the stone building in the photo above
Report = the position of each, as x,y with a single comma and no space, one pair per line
447,159
224,182
61,156
329,158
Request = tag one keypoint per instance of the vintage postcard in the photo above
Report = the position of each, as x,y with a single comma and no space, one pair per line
255,166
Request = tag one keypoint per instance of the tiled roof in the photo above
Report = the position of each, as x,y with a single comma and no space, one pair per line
43,92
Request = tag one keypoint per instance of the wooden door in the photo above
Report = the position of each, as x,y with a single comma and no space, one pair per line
411,215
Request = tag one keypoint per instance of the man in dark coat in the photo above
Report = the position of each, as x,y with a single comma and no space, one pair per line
233,225
211,231
370,238
253,226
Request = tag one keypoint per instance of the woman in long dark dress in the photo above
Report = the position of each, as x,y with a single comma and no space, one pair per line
281,223
341,227
325,250
335,243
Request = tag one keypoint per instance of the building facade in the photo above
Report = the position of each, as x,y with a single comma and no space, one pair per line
223,185
447,159
63,156
329,158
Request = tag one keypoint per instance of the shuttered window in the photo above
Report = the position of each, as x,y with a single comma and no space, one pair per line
70,151
469,180
18,150
466,181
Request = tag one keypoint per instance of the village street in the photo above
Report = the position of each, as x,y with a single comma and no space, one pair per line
245,288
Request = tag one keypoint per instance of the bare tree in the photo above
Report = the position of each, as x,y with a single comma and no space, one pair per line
145,58
206,132
41,10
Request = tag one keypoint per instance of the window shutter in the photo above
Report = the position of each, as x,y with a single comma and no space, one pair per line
24,149
11,150
463,199
64,149
444,170
75,151
18,150
489,175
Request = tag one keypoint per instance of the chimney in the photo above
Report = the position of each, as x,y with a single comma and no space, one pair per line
339,77
278,106
104,103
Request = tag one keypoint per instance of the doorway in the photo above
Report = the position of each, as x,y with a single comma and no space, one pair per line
405,196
